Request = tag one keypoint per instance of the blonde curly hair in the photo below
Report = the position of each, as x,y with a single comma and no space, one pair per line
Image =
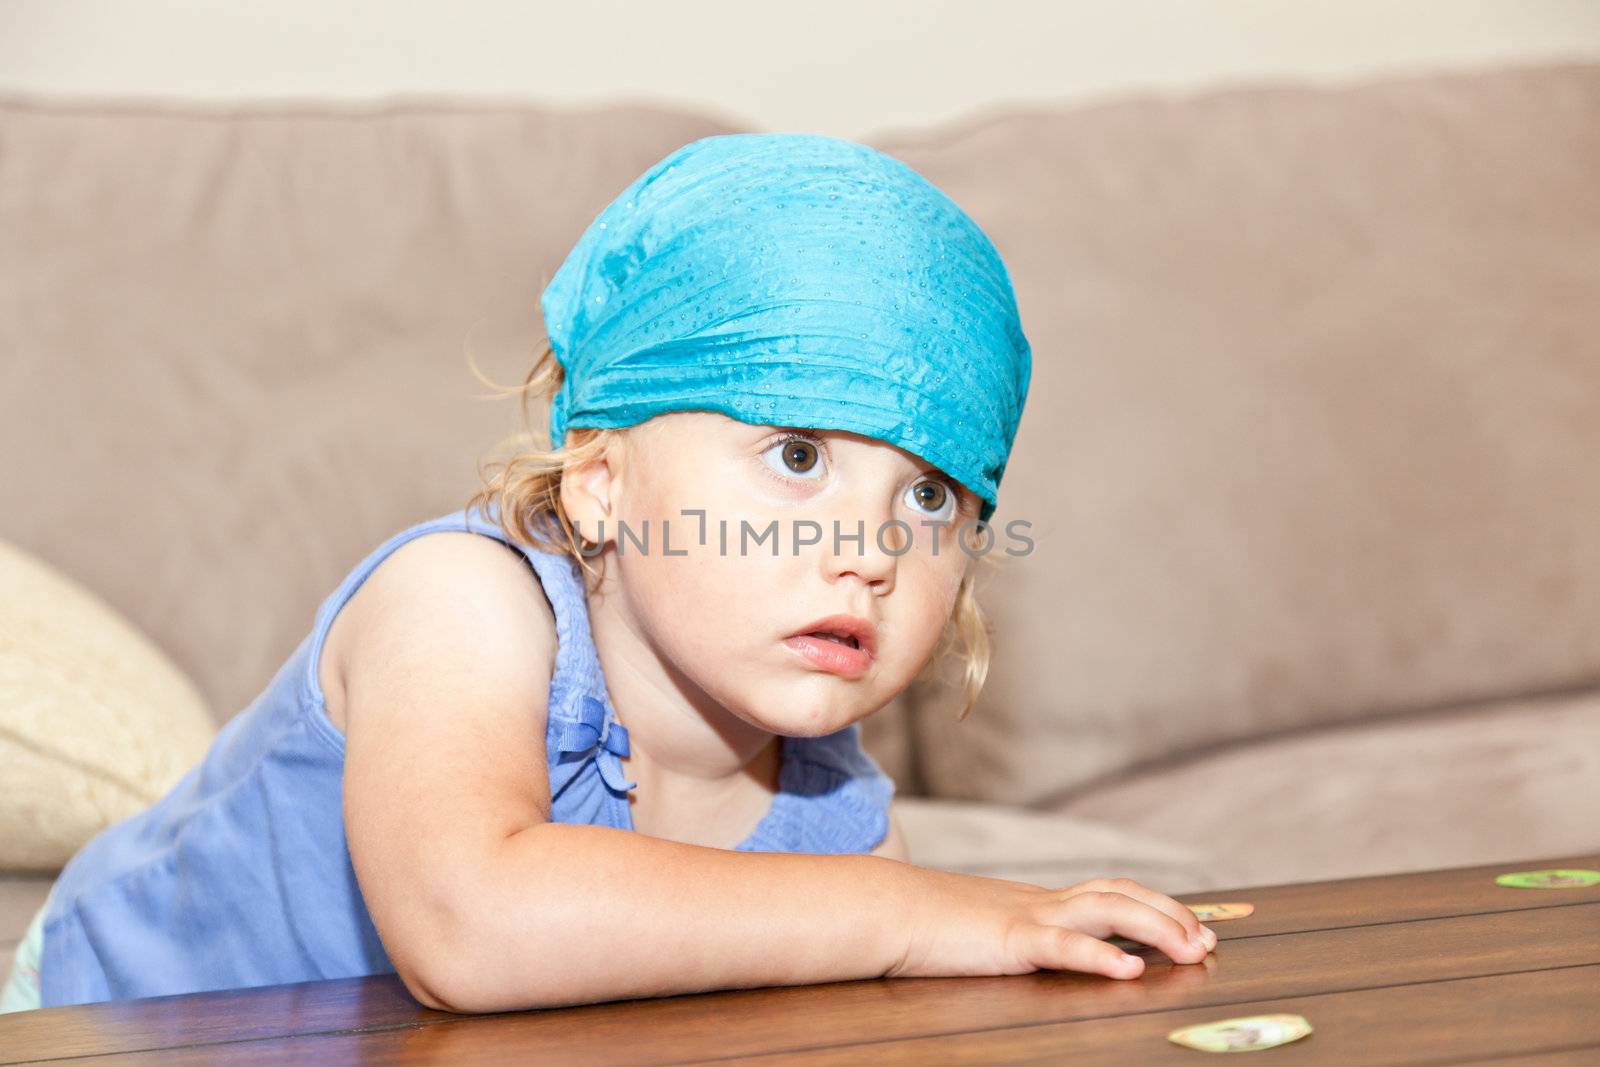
526,487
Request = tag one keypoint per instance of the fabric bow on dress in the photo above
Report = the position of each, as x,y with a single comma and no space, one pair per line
591,730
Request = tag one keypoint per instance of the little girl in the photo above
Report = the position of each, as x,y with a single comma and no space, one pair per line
595,736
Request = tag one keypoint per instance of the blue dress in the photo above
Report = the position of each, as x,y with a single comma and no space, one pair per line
240,875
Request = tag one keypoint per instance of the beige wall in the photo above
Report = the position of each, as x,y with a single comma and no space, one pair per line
847,67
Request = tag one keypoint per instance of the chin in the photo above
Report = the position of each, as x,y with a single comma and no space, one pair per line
811,709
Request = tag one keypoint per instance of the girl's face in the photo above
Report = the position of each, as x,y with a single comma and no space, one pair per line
722,610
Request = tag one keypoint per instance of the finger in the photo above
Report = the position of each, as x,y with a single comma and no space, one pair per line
1058,948
1160,901
1103,914
1129,888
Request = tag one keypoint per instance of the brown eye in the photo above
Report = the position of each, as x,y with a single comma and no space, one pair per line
799,456
795,457
932,497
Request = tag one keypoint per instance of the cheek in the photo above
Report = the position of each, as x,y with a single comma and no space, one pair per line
701,608
927,596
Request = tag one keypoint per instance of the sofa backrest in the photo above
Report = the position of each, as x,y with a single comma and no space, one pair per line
1314,430
1311,437
236,342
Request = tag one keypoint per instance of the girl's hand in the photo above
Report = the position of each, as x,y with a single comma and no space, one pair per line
970,925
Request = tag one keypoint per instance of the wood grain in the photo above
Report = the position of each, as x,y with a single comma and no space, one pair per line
1453,1021
1400,898
201,1018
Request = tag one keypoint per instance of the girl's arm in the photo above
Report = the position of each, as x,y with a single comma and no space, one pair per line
578,914
485,905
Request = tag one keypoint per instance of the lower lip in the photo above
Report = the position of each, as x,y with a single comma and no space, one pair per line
831,656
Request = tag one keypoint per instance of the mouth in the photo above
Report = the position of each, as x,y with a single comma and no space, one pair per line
840,644
851,641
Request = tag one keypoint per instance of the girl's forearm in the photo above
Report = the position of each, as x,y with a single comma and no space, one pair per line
575,914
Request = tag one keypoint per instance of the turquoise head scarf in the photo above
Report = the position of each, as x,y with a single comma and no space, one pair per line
794,280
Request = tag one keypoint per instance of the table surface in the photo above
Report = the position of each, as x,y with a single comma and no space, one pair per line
1429,967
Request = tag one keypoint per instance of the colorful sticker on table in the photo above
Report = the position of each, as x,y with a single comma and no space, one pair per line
1207,913
1557,879
1247,1033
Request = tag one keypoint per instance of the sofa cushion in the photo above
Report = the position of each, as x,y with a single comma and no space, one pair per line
1001,841
1515,780
95,722
1313,422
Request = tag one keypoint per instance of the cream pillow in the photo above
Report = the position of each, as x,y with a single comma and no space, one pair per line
95,722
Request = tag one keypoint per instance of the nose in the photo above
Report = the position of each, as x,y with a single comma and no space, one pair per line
852,547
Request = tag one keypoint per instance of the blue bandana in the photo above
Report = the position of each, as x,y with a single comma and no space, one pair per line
794,280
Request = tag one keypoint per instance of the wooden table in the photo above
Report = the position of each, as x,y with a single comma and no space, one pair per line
1432,967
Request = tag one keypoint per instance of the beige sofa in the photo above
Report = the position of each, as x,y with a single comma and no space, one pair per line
1310,454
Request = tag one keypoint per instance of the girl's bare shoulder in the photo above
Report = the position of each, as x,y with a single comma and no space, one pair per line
446,664
479,587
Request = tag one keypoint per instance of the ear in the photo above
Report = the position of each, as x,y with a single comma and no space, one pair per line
589,492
